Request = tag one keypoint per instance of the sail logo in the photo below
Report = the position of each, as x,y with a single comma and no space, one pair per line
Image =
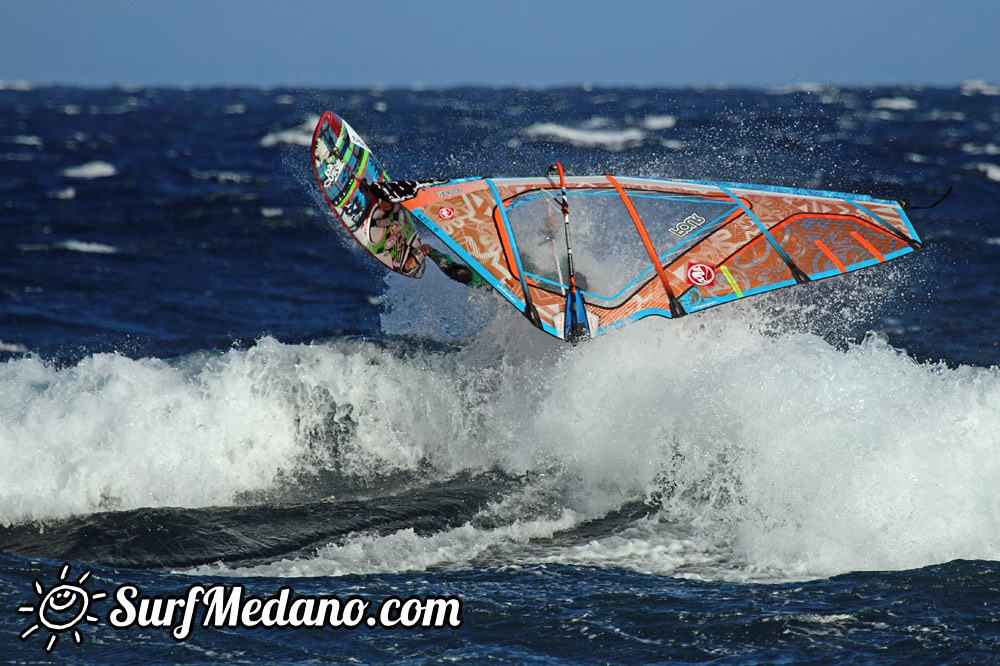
690,223
700,275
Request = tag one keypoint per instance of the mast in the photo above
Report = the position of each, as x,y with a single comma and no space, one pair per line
576,327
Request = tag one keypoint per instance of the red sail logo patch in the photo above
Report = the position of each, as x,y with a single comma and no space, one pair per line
700,274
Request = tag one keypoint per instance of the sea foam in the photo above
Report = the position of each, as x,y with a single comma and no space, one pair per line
757,451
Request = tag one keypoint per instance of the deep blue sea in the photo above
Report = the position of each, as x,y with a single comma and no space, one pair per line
205,382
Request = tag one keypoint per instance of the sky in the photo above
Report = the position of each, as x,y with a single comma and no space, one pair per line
429,43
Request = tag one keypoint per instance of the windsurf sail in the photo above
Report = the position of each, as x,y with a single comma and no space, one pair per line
644,247
651,247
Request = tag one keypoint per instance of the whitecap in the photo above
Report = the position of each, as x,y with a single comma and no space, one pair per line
222,176
12,348
96,169
895,103
65,194
975,149
402,551
297,136
596,123
830,618
653,123
582,138
992,171
70,245
28,140
290,137
944,116
84,246
979,87
803,87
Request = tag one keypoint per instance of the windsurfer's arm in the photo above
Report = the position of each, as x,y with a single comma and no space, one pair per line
456,271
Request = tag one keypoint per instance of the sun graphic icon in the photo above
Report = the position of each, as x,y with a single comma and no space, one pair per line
62,608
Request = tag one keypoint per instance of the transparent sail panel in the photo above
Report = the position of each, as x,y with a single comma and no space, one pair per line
610,258
608,254
675,222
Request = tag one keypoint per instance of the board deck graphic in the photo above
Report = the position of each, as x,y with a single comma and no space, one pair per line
342,164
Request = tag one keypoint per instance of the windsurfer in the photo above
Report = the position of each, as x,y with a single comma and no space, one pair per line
387,211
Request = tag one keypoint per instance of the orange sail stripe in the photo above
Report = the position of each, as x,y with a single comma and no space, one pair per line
836,262
830,216
642,233
868,246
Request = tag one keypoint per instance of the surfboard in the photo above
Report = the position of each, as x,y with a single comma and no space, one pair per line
342,163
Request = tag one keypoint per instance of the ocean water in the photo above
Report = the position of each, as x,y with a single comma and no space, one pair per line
203,382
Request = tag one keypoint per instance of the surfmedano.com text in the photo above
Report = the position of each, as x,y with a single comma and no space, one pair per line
230,606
